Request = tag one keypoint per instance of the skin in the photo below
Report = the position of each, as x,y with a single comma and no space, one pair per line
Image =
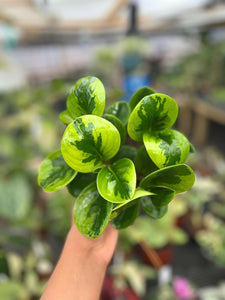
81,268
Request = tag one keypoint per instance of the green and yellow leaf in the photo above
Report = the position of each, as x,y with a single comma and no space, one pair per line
54,173
169,147
178,178
88,142
87,97
65,117
152,114
116,182
139,192
91,212
139,95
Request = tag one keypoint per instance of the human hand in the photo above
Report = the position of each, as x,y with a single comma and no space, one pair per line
80,270
102,248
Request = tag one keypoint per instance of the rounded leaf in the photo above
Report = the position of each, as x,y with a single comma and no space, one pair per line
169,147
65,117
116,182
118,124
89,141
54,172
179,178
162,196
143,163
126,152
126,217
153,113
80,182
91,212
87,97
139,94
121,110
152,210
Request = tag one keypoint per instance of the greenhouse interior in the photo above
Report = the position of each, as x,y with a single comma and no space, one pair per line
89,92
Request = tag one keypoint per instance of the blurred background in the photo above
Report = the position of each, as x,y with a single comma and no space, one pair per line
177,48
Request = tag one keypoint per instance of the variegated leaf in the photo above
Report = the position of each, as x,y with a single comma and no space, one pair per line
116,182
54,173
139,192
153,113
139,95
88,142
178,178
87,97
169,147
91,212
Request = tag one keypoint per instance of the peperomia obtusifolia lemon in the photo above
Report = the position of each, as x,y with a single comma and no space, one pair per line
109,179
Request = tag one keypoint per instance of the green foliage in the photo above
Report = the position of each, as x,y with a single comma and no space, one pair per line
93,143
179,178
15,197
156,233
126,217
140,94
212,239
168,148
91,212
121,110
55,173
116,183
30,130
118,124
89,141
87,97
152,114
152,210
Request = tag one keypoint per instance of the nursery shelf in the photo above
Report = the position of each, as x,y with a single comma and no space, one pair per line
195,117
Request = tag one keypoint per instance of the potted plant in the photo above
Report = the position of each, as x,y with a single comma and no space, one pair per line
207,195
211,239
109,178
154,239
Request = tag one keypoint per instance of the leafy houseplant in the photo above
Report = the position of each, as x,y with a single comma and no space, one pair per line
107,177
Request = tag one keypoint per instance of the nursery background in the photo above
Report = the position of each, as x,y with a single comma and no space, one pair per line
175,47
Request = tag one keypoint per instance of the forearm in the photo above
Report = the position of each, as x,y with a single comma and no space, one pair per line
79,273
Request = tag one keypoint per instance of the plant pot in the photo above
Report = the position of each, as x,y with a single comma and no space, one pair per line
109,292
156,257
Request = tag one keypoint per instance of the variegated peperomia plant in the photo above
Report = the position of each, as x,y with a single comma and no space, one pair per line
110,180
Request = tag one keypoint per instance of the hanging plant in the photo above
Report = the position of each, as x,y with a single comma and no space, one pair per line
102,173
